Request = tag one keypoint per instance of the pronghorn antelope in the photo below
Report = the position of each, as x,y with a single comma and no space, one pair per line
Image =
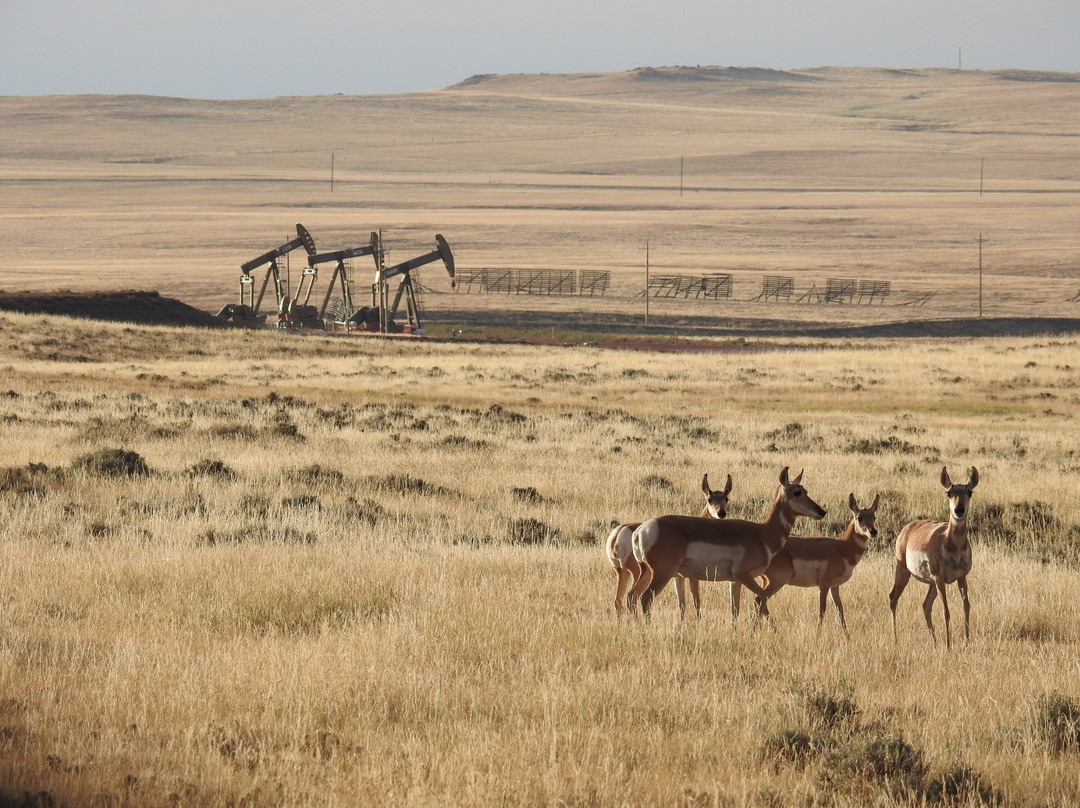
621,553
937,553
821,562
719,549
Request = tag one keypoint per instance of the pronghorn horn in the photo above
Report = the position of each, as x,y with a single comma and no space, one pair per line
784,476
973,478
945,481
876,498
705,484
727,488
798,477
852,504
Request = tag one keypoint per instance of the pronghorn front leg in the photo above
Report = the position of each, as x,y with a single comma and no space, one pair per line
735,591
961,584
940,583
927,606
695,593
680,594
761,596
839,607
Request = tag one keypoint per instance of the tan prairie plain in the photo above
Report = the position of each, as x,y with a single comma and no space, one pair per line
263,568
866,174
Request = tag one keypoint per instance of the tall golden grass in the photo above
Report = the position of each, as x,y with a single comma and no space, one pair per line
358,571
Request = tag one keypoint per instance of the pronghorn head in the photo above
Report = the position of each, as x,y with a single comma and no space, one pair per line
864,517
795,497
716,501
959,495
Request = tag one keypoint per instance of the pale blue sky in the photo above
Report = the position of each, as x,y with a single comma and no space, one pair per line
246,49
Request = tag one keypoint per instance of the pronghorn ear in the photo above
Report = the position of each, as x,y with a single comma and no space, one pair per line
876,498
783,476
852,504
798,477
705,484
727,488
973,480
945,481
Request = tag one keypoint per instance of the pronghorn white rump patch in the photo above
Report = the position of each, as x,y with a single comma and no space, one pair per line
620,547
644,538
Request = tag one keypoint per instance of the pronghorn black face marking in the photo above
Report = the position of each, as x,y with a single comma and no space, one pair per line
716,502
959,495
865,518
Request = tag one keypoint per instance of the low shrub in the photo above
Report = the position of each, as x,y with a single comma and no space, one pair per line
112,463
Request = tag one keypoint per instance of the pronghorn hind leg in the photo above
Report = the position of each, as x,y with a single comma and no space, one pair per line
735,590
656,583
900,581
823,595
839,607
620,590
643,575
927,606
961,584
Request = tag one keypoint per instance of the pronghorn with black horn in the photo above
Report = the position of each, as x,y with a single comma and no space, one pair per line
938,554
822,562
620,552
719,549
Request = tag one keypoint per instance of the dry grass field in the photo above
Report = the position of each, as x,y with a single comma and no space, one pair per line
262,568
253,568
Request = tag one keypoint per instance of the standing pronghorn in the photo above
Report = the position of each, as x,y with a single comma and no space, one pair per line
620,552
821,562
937,553
719,549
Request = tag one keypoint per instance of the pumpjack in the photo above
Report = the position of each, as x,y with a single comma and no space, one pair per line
378,317
248,307
340,276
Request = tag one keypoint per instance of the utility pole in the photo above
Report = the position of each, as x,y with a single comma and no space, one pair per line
982,167
331,172
646,281
680,175
980,275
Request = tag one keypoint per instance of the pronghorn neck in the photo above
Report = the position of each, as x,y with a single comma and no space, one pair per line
854,542
956,533
778,524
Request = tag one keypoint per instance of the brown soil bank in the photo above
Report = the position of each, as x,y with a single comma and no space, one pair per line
148,308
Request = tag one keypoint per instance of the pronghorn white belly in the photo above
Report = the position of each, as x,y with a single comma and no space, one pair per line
952,565
813,572
619,546
712,562
918,564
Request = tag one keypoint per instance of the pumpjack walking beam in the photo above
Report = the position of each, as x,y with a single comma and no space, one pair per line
341,256
441,251
303,239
